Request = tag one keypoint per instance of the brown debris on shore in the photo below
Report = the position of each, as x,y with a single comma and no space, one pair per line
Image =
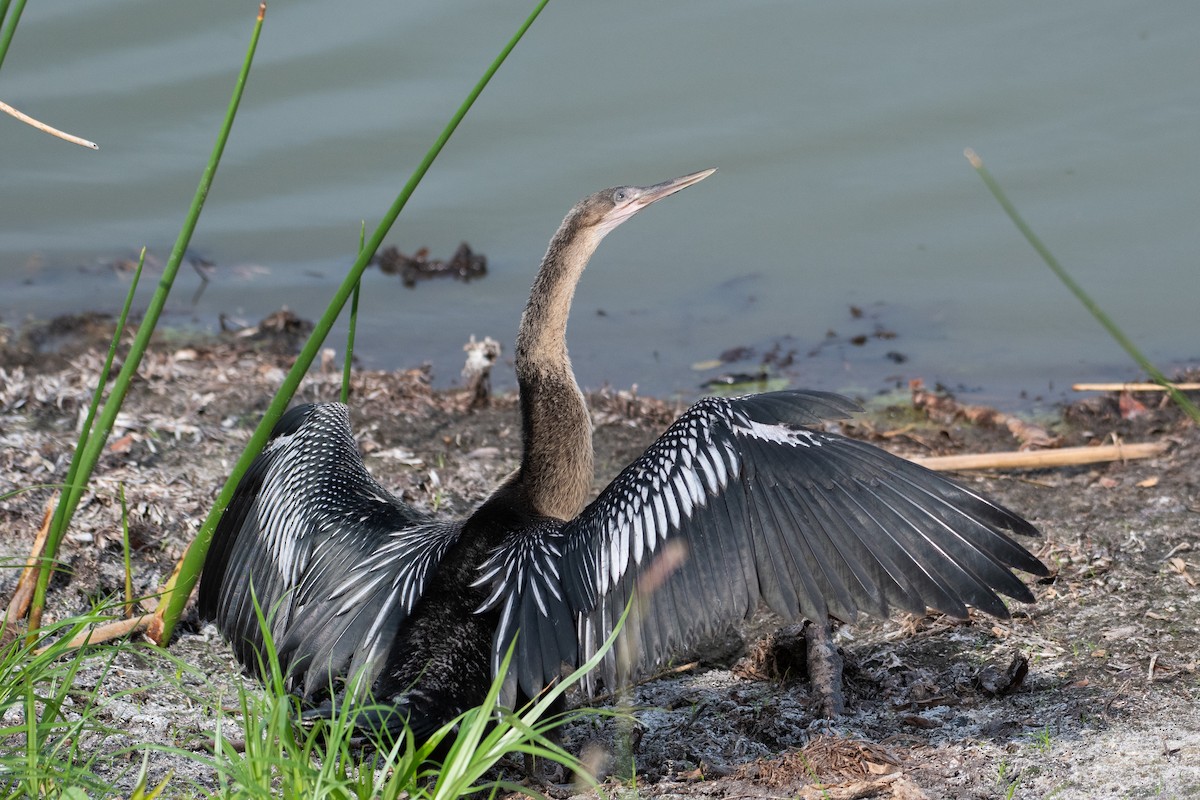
465,265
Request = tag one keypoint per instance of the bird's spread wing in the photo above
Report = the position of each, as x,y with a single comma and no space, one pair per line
762,507
329,556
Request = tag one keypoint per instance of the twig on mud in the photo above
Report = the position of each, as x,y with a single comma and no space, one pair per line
1119,694
1182,547
938,623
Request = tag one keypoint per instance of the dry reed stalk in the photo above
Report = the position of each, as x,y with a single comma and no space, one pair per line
1132,387
1044,459
23,594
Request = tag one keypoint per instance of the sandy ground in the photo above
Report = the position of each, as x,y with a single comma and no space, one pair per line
1109,707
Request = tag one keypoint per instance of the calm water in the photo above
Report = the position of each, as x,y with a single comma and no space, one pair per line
838,129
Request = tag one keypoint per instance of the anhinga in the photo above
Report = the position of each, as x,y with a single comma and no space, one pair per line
418,611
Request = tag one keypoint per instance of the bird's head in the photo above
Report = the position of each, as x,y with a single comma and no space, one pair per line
605,210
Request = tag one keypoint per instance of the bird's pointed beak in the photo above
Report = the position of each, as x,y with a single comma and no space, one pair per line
649,194
629,200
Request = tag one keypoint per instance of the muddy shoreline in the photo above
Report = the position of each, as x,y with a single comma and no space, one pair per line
1110,706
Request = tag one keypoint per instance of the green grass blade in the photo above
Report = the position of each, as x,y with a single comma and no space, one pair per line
60,520
125,549
95,444
108,362
10,25
42,750
180,588
362,237
1179,397
345,396
476,749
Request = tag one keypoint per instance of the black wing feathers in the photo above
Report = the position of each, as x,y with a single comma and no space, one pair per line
333,561
810,522
228,549
526,589
761,507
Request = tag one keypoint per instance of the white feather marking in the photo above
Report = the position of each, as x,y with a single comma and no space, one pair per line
708,471
537,595
731,462
690,491
506,615
685,453
660,517
489,575
780,434
720,469
353,599
585,623
380,617
614,558
622,541
696,483
638,532
602,572
672,501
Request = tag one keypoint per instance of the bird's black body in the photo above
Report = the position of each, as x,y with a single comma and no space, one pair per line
368,598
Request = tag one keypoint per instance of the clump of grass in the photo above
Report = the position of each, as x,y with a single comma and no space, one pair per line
274,757
54,732
45,721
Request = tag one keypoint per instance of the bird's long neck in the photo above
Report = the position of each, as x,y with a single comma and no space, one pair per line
556,466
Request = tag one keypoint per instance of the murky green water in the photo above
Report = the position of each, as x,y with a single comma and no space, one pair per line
838,129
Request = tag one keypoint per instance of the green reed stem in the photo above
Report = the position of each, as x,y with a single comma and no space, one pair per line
61,518
1177,396
180,587
10,25
362,236
95,443
125,547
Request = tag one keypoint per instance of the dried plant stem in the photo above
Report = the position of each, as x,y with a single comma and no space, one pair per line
41,126
104,633
18,604
1132,387
1044,459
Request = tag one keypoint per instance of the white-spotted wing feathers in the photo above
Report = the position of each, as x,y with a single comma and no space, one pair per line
758,506
331,558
